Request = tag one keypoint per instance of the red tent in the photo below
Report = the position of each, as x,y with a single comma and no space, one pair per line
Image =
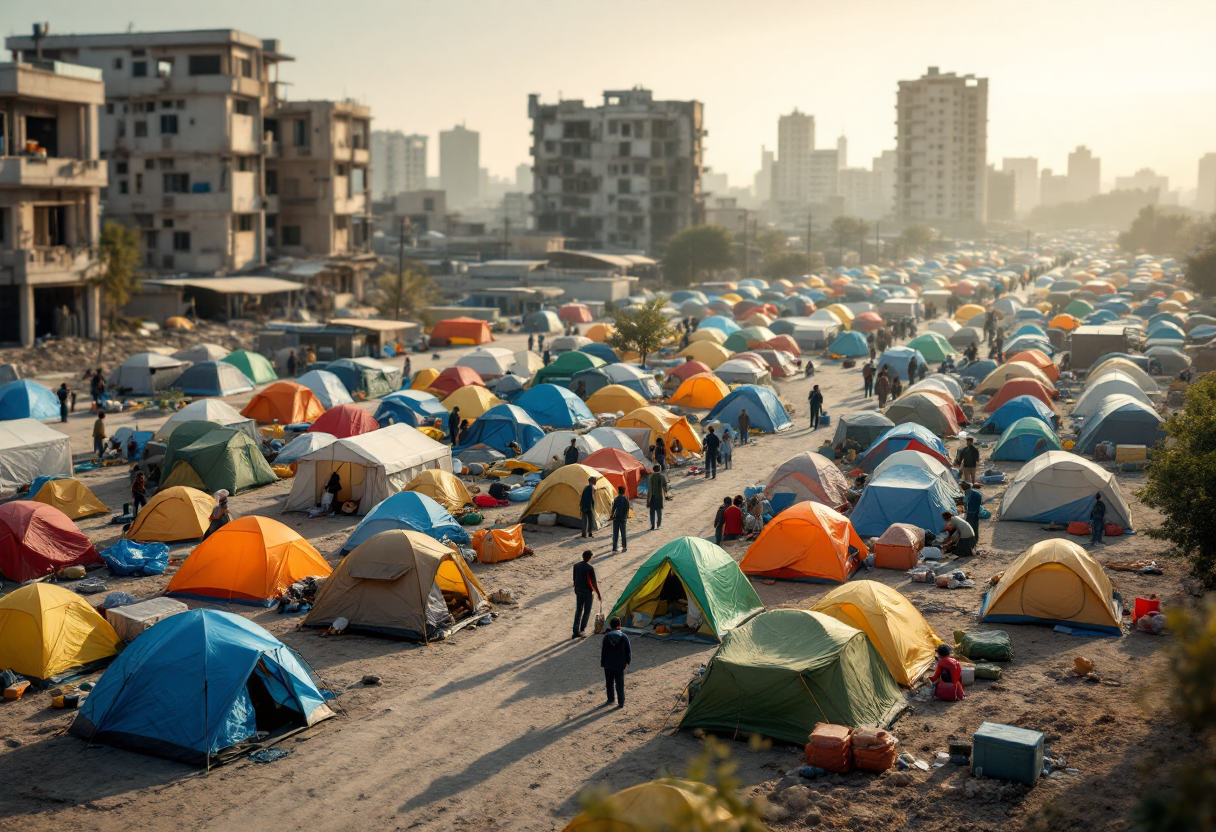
867,322
689,369
575,313
619,468
468,331
785,343
453,378
744,308
345,421
37,539
1020,387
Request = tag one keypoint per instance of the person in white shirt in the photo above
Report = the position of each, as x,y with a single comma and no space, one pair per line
962,537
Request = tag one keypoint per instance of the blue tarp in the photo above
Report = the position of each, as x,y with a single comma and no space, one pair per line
213,378
180,690
123,437
553,406
1015,409
897,359
763,408
25,399
411,407
126,557
601,351
500,425
902,494
1122,420
408,510
40,481
851,345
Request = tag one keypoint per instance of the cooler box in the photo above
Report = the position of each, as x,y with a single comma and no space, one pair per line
1131,453
133,619
1007,753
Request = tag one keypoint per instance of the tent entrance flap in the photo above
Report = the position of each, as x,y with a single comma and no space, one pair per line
352,476
665,596
1052,590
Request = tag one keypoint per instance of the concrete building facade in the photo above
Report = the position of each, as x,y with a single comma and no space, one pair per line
795,151
1025,172
460,165
624,176
1002,195
1145,179
398,163
1084,175
763,185
1206,197
1053,188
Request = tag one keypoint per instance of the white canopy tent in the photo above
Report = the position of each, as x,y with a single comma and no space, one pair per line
30,449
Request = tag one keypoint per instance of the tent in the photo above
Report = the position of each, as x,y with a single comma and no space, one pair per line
472,401
1115,383
254,365
501,425
195,686
544,322
554,445
488,362
700,391
508,387
1021,387
902,494
658,804
145,373
560,492
1141,378
719,322
453,379
635,378
29,449
1020,407
977,370
600,332
907,437
967,311
327,387
423,378
400,583
965,337
926,410
562,369
748,337
412,510
1122,420
762,405
344,421
897,358
371,467
590,381
284,403
575,313
25,399
1040,359
615,398
1170,359
251,560
173,514
932,346
891,622
809,476
302,446
411,407
1059,487
1013,370
613,438
784,671
366,376
208,410
849,345
48,631
684,371
70,496
37,540
498,545
742,371
925,462
691,578
452,331
863,427
807,542
554,406
202,352
222,458
619,468
444,487
663,423
209,378
1025,439
1055,582
707,352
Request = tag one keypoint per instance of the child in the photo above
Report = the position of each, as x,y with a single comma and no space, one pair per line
947,676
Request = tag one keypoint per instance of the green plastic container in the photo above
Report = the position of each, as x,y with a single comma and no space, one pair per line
1007,753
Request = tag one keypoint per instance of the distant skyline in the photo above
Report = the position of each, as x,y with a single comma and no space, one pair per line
1133,81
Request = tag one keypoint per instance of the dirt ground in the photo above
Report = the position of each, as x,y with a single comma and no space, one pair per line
498,727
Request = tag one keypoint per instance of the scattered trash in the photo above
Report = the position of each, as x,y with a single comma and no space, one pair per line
91,586
1153,624
503,596
370,679
269,755
809,772
1082,666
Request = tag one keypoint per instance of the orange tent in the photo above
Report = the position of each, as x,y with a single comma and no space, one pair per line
252,560
1065,321
284,402
453,378
497,545
868,322
1019,387
1038,358
806,542
704,390
599,332
619,468
467,331
785,343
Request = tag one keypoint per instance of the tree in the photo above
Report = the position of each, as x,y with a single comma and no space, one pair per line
410,293
701,248
917,238
118,255
1201,270
791,264
642,330
1163,231
771,243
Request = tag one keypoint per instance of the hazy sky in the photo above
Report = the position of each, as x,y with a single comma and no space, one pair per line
1135,81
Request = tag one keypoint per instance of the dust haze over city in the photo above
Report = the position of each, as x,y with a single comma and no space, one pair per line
368,370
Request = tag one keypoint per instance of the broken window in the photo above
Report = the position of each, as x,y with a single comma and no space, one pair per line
206,65
50,225
164,68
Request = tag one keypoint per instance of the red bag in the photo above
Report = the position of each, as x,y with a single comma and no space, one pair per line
486,501
1113,530
1078,528
874,749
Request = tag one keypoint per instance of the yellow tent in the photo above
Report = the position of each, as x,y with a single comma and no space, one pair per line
700,391
816,282
441,486
1055,582
46,630
1014,369
1181,295
893,625
707,352
842,314
1169,306
663,423
177,513
968,311
561,491
599,332
424,378
659,804
731,297
710,333
472,400
70,496
615,398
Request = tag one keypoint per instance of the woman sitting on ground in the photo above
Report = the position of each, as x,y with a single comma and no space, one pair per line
947,677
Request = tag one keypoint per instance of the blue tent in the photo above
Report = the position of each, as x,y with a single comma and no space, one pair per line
1029,314
24,399
978,370
1165,330
1020,441
601,351
213,378
197,683
902,494
1203,332
850,345
42,480
762,405
1102,316
1017,408
123,437
1029,342
500,425
411,511
1029,329
727,325
415,408
897,359
553,406
906,437
1122,420
681,295
1168,317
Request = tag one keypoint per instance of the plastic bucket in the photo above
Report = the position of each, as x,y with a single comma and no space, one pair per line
1144,606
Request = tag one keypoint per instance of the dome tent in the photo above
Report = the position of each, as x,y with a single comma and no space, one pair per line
284,403
213,378
906,437
620,468
410,510
560,492
849,345
1104,387
1019,407
219,412
499,426
932,346
344,421
553,406
902,494
444,487
555,444
659,804
762,405
303,445
806,542
809,476
1059,486
37,540
663,423
472,401
222,458
699,391
25,399
563,368
1016,387
1025,439
70,496
1122,420
327,387
453,379
254,365
373,379
173,514
411,407
863,427
145,373
47,631
925,462
925,410
898,358
615,398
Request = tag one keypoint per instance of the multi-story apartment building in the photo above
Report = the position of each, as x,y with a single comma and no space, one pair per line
398,163
795,152
1084,175
1205,199
1025,172
460,165
50,181
762,187
825,176
1053,188
625,175
942,134
1002,195
1145,179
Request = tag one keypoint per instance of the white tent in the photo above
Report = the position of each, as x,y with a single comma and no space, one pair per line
29,449
1110,365
568,343
923,462
943,326
555,444
202,352
327,387
949,382
1113,383
303,445
617,438
145,373
526,364
372,467
932,383
488,362
1060,486
209,410
741,371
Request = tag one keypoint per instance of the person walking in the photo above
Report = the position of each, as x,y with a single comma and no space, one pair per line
911,369
585,586
710,448
720,520
586,507
454,425
97,386
63,394
531,341
291,364
1097,520
882,388
139,493
546,358
815,399
620,515
728,448
660,452
571,454
656,491
867,379
967,460
540,341
897,386
972,500
615,656
744,425
99,435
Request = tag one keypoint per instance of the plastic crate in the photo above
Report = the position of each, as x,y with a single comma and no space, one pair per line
1007,753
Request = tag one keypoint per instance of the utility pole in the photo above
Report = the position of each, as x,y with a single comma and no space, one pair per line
809,227
506,236
400,269
747,260
877,241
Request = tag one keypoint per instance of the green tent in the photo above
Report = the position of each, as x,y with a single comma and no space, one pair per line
700,574
221,458
1021,440
364,376
932,345
1079,308
252,364
187,433
738,341
784,671
563,368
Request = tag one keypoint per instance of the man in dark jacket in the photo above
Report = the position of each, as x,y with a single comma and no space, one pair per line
816,402
1097,520
454,424
973,500
586,506
656,490
710,448
585,586
720,520
615,656
620,514
572,452
967,460
744,425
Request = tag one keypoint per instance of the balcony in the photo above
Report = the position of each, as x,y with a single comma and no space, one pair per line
50,264
41,172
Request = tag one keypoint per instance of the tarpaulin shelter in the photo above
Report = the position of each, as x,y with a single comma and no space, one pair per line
453,379
1122,420
25,399
663,423
807,542
782,672
554,445
371,467
863,427
173,514
472,401
452,331
1055,582
29,449
1114,383
145,373
501,425
444,487
707,352
562,369
222,458
208,378
48,631
209,410
809,476
700,391
902,494
327,387
932,346
620,468
635,378
575,313
344,421
498,545
195,686
1059,487
398,583
37,540
560,492
284,403
1019,407
925,410
849,345
554,407
70,496
1020,387
658,804
897,358
715,594
488,362
365,376
202,352
763,408
256,367
1025,439
411,510
891,622
615,398
919,459
544,322
1040,359
907,437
